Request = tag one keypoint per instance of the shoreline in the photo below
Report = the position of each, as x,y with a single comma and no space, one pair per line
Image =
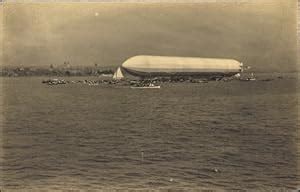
59,71
92,71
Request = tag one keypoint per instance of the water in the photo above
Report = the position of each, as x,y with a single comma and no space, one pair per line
220,136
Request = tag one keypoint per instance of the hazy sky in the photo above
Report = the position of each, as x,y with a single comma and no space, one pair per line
261,34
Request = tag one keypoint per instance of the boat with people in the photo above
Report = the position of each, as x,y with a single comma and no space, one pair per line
251,78
150,86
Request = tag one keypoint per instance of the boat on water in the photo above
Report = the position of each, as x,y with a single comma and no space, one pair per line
251,78
150,86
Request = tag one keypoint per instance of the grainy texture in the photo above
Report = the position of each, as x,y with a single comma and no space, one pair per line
217,135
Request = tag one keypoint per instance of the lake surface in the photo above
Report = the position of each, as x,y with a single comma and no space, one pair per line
220,136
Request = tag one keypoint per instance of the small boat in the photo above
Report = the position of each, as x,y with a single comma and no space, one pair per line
150,86
93,84
248,79
54,81
252,78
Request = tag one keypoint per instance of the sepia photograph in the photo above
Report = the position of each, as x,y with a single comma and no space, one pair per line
149,95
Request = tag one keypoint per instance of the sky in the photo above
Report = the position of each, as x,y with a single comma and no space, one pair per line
261,34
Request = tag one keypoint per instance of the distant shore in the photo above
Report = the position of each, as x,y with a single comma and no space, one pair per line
59,71
80,71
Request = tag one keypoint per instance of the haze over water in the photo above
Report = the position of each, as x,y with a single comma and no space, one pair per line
219,135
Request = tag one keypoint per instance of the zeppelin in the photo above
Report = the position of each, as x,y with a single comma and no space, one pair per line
159,66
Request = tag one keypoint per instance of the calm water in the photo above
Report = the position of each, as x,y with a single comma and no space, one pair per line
220,135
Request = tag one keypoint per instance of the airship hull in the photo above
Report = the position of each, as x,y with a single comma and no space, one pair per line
165,66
